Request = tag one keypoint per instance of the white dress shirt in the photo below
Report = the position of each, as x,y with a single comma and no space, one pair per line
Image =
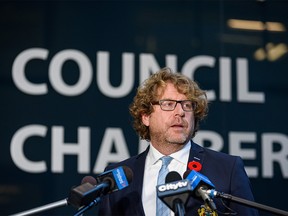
152,167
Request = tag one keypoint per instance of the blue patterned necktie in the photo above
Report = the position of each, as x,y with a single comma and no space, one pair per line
161,208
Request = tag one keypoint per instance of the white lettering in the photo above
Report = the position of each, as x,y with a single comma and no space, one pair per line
235,141
60,149
273,149
85,71
173,186
243,94
225,80
18,71
270,155
143,144
127,75
105,156
214,139
171,62
190,67
119,176
17,149
147,66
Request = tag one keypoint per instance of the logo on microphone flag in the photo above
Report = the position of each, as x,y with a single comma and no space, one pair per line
196,178
120,178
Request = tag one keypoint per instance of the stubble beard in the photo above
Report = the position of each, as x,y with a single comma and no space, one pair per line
177,140
172,139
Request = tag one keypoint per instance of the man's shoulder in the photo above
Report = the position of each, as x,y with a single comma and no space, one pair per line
130,162
215,154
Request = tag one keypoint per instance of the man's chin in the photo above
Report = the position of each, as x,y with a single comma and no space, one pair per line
177,138
177,141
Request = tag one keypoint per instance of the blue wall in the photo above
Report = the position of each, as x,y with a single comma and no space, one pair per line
70,69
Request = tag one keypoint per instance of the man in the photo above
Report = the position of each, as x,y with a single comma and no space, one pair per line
167,110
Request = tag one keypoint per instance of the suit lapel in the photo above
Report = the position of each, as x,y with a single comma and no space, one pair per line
139,167
196,153
138,170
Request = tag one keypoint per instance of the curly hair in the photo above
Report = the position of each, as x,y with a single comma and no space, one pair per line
149,92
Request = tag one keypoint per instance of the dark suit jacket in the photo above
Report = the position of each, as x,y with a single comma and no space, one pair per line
226,172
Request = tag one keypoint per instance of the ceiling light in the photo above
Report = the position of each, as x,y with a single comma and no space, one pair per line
271,52
256,25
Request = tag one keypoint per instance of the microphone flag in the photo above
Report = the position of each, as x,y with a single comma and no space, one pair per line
197,179
177,190
117,176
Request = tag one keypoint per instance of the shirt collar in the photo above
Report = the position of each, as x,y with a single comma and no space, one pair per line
181,156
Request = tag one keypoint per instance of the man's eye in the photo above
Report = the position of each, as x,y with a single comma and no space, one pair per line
188,105
168,103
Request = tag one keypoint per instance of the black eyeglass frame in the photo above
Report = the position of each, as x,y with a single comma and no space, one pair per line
160,102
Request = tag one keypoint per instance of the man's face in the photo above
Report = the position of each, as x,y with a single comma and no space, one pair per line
173,127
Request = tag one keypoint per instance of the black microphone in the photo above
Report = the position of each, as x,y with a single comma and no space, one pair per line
175,192
200,184
88,193
107,182
89,179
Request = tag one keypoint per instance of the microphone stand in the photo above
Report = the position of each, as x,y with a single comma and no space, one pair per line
179,208
43,208
85,208
57,204
252,204
70,200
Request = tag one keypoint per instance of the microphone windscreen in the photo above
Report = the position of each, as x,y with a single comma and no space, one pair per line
129,173
175,191
187,172
89,179
172,176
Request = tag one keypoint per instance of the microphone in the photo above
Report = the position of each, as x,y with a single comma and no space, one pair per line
64,202
89,179
107,182
200,184
88,193
172,176
175,192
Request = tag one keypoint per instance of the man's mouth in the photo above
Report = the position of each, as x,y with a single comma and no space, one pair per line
177,126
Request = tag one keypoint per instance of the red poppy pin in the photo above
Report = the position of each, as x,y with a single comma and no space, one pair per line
194,165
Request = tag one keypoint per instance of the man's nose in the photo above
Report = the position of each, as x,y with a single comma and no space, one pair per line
179,110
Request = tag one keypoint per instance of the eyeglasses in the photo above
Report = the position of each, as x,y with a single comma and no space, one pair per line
169,105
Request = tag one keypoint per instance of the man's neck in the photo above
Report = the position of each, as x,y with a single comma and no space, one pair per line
168,148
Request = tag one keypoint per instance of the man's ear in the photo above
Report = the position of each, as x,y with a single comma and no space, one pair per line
146,119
